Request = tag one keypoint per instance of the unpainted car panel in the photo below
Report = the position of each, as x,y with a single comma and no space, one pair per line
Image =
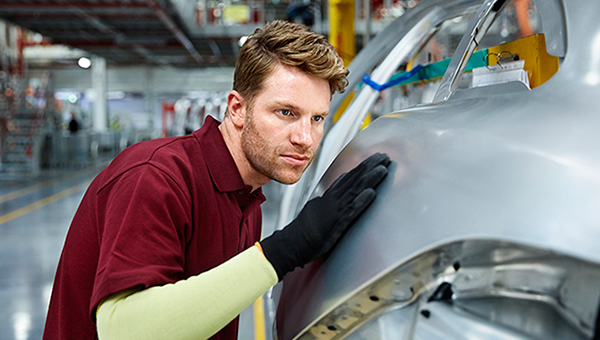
511,180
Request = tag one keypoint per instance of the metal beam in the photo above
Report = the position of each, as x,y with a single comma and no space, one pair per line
69,15
121,44
94,21
44,5
155,27
172,26
133,33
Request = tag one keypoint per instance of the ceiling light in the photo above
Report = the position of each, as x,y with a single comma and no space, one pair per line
84,62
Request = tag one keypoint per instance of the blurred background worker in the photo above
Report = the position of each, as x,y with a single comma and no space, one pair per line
73,124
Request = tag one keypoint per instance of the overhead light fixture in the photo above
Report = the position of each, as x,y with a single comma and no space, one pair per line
84,62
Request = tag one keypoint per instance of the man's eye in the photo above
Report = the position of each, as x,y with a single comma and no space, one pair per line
317,118
285,112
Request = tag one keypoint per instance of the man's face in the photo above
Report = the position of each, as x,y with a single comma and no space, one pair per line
283,127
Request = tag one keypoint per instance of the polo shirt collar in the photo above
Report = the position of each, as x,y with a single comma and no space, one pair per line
220,163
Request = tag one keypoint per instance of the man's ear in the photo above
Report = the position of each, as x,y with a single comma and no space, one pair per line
236,105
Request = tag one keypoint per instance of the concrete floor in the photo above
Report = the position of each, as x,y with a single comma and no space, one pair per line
34,217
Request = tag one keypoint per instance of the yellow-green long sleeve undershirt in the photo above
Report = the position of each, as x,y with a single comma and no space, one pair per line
195,308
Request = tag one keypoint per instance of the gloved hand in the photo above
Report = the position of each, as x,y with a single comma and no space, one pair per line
324,220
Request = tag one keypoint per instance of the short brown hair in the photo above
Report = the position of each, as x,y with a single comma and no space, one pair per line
290,44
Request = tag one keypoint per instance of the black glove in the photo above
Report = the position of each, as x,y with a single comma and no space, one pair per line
324,220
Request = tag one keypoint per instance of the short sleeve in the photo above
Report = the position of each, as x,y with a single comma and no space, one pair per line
144,222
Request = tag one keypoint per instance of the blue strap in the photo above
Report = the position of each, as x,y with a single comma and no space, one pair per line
367,80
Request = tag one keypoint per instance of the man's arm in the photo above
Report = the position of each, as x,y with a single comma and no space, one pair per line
195,308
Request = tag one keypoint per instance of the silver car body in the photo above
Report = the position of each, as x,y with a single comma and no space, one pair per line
488,223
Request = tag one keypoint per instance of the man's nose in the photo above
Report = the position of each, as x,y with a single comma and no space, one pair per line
302,133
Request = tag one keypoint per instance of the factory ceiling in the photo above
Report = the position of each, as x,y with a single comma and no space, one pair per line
130,32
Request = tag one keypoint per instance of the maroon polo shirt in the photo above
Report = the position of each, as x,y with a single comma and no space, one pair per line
162,211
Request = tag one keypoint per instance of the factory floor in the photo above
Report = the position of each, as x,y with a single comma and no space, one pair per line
35,213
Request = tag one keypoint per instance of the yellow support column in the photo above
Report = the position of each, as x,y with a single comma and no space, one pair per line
342,38
341,29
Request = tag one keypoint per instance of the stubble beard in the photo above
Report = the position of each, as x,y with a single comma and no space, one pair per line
264,157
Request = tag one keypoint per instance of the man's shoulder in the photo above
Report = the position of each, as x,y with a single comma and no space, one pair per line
156,150
176,157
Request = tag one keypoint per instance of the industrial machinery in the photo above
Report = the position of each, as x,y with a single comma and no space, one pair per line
487,225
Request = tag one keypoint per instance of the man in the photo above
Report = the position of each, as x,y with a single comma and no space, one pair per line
164,243
73,124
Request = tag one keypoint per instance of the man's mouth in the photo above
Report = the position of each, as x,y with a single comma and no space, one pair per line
296,159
